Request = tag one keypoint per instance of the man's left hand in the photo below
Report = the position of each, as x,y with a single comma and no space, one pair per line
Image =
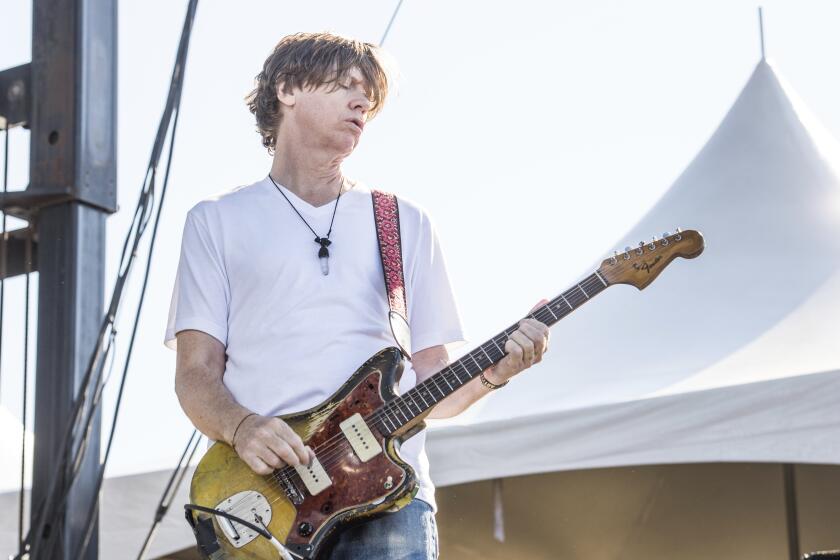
524,348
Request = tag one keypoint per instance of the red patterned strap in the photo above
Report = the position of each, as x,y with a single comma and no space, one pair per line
386,214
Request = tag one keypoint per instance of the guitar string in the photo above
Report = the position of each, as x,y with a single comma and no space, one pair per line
381,412
327,452
337,449
391,407
332,450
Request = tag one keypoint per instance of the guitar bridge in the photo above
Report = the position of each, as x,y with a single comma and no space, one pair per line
291,490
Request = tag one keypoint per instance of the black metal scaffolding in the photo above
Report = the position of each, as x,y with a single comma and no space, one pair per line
67,98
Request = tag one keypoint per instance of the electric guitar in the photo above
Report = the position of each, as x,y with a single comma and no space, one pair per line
356,435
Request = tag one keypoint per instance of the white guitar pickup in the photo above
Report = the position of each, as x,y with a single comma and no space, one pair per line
314,477
360,438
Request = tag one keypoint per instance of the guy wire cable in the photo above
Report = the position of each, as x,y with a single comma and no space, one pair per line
100,478
96,363
171,490
22,499
4,244
390,23
174,102
161,509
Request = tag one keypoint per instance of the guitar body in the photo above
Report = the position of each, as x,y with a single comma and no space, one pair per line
358,490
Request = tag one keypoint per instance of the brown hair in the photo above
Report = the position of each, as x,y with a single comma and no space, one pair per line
309,60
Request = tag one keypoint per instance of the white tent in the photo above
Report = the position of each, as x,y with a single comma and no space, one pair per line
733,356
727,358
725,365
128,506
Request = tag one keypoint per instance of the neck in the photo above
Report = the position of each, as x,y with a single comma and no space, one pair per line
406,410
313,175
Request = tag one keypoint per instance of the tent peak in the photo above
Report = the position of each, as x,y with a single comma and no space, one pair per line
761,31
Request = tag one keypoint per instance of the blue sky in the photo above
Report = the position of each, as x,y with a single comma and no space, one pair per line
534,133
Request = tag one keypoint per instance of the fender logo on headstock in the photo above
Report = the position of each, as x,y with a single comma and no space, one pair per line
647,266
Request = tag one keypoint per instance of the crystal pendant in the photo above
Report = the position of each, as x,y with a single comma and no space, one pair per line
324,254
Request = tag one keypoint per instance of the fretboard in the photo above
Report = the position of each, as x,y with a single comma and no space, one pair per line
401,410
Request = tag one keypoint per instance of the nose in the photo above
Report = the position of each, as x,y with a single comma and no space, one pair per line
361,102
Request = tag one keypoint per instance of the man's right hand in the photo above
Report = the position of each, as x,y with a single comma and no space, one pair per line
267,443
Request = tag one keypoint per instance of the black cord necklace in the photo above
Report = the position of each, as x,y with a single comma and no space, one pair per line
324,242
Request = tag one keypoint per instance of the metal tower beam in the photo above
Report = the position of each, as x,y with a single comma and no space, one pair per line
72,190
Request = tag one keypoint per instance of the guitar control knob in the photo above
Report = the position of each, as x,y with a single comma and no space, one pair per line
305,529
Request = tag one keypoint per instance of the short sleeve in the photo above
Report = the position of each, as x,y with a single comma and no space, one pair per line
201,295
432,312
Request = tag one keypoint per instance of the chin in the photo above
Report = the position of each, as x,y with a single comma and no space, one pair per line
345,146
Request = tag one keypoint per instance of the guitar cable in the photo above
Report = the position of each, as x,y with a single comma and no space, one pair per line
210,547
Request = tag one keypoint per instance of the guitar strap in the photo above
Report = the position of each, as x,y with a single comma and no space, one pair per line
386,215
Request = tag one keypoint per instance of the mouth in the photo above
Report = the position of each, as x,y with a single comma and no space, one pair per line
358,123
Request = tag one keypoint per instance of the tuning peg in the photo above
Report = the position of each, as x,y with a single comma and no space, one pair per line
665,235
614,258
652,244
627,252
678,236
641,248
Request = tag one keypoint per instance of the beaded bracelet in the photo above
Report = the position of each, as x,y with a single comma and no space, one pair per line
489,384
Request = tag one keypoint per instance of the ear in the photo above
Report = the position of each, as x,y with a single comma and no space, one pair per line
285,98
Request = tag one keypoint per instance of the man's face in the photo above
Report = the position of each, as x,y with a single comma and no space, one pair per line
330,117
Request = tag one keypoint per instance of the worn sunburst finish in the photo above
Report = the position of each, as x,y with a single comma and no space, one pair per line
358,489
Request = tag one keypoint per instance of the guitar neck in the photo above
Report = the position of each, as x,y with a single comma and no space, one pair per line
403,410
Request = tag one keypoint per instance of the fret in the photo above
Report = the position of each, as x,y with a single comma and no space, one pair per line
410,396
556,318
475,361
582,290
385,423
458,375
486,354
420,394
493,340
400,410
601,278
467,370
450,375
567,302
433,380
447,382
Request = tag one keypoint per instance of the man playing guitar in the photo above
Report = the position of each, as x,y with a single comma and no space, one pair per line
266,322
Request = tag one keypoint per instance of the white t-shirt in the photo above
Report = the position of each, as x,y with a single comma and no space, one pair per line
249,276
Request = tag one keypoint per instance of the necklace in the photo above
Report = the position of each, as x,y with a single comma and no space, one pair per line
323,242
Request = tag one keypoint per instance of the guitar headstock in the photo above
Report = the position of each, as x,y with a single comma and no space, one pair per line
640,266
